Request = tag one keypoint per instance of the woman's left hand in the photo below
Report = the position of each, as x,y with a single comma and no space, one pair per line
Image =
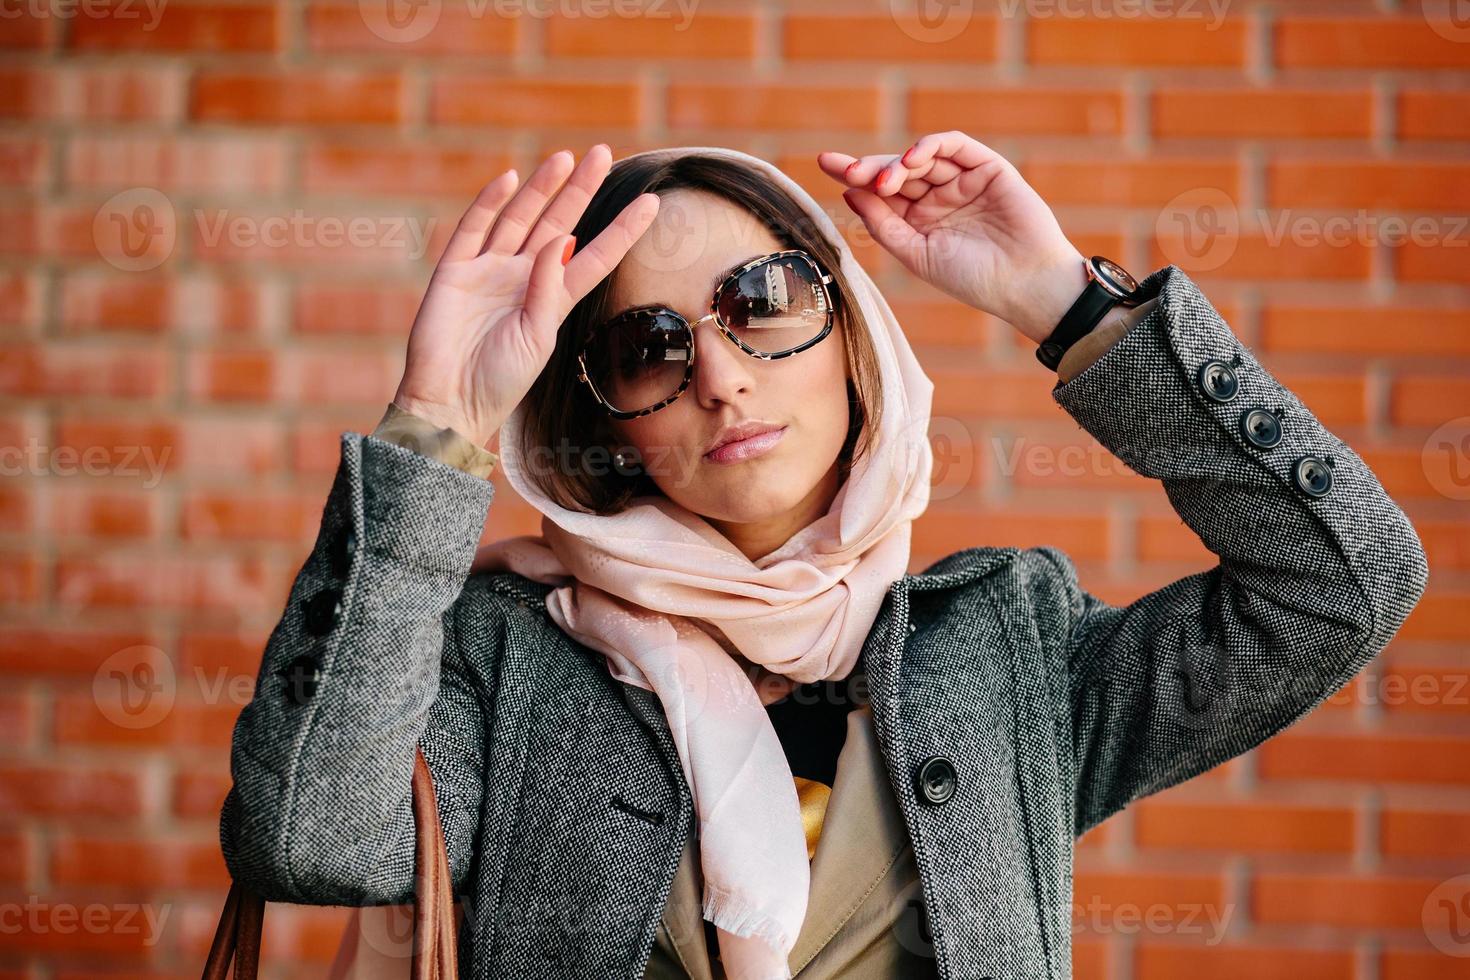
959,216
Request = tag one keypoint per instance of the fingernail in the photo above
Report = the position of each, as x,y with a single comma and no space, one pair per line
905,158
566,254
848,169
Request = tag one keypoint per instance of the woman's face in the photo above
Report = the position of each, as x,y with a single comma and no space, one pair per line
758,501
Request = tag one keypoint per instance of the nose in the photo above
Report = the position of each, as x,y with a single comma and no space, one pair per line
721,371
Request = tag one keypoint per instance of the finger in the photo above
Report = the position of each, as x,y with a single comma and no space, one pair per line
469,234
887,174
546,295
835,164
517,217
934,174
886,226
954,145
861,172
601,256
562,214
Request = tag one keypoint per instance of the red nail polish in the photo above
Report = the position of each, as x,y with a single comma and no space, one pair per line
566,255
905,158
848,169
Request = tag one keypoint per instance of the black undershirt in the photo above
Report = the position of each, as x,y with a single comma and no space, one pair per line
811,721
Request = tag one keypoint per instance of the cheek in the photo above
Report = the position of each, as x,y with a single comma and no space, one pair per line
655,434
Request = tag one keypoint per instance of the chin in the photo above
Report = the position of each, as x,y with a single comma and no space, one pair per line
749,502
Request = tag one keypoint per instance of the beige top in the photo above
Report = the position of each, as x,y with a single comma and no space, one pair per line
864,919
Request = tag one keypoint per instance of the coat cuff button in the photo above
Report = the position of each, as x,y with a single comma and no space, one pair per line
322,611
302,676
1312,476
344,548
1218,381
1260,428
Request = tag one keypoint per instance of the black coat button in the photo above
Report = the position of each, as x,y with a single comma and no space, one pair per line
935,780
1312,476
344,547
1218,380
322,611
1260,428
301,677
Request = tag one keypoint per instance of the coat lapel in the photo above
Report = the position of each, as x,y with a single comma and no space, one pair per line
866,829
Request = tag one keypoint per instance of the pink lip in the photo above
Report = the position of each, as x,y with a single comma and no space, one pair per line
748,448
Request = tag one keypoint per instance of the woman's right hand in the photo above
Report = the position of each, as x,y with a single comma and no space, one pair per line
489,319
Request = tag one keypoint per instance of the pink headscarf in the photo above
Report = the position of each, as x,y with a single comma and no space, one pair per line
660,593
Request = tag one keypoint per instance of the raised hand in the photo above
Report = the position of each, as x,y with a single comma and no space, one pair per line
960,216
504,285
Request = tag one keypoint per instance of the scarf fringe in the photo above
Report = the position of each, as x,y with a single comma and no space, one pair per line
743,919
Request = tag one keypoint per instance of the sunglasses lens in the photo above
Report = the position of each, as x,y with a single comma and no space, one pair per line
638,359
775,306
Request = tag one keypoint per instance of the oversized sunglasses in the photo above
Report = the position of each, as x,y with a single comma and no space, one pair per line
771,307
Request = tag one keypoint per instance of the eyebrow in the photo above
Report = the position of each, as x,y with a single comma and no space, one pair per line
714,284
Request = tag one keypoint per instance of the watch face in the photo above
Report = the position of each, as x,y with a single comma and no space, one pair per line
1113,276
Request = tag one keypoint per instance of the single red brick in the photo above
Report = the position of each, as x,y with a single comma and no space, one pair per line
180,28
720,105
308,98
1274,113
1021,110
1134,42
457,100
1365,42
842,37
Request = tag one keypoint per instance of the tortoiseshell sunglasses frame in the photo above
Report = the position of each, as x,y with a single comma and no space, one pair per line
823,280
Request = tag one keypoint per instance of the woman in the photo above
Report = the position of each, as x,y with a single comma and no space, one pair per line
649,755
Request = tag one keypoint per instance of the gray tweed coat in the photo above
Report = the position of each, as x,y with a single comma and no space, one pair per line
562,798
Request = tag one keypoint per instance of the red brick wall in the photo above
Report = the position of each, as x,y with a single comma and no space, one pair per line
179,407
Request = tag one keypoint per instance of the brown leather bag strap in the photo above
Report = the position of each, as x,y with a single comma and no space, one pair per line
238,935
433,942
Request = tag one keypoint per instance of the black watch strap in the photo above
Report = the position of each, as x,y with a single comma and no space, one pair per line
1108,285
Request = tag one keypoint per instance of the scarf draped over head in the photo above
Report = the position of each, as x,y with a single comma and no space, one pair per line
665,597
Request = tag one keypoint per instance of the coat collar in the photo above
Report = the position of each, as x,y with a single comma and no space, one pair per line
949,572
881,650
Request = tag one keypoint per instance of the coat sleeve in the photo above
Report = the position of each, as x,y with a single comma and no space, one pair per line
1318,566
363,666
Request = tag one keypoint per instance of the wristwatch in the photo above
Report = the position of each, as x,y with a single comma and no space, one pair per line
1108,285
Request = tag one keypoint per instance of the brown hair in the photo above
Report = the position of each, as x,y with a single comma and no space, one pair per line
560,411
